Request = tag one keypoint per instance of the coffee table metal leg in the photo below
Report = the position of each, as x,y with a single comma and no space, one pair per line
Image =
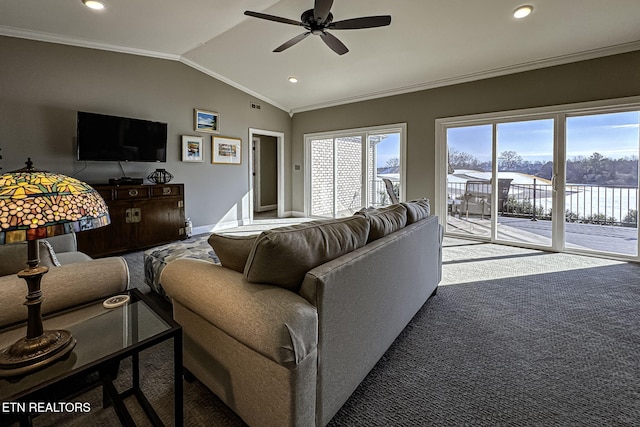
177,375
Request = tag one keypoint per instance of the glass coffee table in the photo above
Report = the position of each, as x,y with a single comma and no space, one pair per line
104,338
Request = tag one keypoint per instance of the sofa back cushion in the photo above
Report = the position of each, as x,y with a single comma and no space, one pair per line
417,209
232,251
13,257
385,220
282,256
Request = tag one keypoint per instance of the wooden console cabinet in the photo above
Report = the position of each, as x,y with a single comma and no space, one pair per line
142,216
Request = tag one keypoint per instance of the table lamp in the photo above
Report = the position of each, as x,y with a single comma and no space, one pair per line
36,204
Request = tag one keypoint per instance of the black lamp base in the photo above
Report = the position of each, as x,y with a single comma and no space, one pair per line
30,354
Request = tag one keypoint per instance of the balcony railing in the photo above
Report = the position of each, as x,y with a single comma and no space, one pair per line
611,205
379,195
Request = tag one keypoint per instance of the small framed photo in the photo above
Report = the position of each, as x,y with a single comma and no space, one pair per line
226,150
192,148
206,121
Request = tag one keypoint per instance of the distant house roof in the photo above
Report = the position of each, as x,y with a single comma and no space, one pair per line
388,170
517,177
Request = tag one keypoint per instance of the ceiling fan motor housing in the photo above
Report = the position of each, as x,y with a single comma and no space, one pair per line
319,20
309,21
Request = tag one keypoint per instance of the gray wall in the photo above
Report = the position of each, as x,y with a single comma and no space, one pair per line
604,78
43,85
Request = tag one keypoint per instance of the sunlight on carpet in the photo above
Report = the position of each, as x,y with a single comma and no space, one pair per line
466,261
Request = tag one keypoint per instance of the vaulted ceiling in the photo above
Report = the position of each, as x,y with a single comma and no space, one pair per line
429,43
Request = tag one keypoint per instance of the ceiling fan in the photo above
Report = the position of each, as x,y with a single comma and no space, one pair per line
320,19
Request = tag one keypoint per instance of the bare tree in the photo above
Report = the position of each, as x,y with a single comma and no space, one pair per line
509,161
393,162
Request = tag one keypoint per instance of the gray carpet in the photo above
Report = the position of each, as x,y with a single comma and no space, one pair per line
557,347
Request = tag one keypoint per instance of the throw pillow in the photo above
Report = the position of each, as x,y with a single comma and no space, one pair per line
417,209
282,256
232,251
384,220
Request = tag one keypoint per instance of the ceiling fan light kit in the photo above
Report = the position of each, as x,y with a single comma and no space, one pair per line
320,19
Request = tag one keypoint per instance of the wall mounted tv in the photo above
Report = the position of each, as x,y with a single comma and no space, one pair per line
111,138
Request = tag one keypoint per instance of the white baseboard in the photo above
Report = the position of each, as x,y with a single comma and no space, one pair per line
202,229
210,228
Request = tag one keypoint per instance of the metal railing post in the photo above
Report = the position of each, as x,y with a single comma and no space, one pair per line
534,200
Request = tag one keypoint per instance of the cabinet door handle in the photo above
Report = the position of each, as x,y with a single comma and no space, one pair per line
137,215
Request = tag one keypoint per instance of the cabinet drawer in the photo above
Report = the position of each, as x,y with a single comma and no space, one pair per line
166,190
132,193
105,193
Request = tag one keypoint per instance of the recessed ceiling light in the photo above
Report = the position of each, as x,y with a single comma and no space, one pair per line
93,4
522,11
293,79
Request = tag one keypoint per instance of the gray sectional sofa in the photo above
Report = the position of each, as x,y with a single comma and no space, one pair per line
294,319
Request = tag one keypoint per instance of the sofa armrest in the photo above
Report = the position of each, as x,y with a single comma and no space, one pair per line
270,320
65,287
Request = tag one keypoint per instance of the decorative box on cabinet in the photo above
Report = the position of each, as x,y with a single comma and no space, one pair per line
142,216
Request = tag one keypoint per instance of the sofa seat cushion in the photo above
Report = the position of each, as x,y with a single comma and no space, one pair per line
385,220
232,251
272,321
282,256
417,209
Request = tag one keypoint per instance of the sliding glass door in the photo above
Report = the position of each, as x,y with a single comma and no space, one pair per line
602,182
499,181
469,180
565,180
525,198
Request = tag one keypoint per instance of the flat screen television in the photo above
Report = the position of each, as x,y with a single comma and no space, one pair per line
111,138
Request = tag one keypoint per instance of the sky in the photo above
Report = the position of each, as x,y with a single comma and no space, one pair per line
614,135
389,148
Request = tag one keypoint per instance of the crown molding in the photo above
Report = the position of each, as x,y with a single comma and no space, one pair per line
72,41
465,78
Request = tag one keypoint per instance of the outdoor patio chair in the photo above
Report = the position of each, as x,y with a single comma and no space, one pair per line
390,190
477,196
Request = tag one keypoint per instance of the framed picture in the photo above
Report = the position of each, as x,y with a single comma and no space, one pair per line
206,121
226,150
192,148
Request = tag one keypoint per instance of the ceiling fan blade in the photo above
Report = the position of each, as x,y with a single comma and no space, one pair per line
332,41
364,22
272,18
288,44
321,9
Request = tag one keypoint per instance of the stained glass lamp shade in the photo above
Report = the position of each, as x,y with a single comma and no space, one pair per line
36,204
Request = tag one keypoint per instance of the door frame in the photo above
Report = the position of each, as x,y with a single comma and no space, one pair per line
280,169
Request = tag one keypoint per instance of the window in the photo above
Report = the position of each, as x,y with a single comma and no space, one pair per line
345,169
